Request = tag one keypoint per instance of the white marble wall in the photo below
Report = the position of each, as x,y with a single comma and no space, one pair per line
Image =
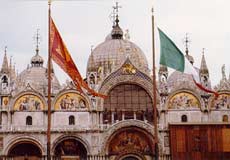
62,118
19,118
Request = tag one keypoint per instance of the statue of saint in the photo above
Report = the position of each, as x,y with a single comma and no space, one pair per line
223,72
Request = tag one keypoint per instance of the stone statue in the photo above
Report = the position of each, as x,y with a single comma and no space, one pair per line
127,35
223,72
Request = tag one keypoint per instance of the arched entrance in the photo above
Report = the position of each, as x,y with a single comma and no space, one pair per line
131,143
70,149
25,151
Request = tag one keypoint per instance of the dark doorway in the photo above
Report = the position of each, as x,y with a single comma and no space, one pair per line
25,150
130,158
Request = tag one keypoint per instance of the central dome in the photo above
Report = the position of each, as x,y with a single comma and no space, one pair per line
112,53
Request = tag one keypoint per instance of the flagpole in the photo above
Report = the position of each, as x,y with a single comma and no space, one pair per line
154,92
49,85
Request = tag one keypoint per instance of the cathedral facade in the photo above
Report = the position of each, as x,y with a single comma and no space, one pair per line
119,127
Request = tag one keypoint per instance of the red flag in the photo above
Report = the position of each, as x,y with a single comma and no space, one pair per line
61,56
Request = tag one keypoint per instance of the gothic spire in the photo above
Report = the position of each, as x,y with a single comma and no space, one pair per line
91,62
5,67
203,65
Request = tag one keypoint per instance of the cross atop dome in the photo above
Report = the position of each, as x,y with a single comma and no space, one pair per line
117,32
37,60
37,39
115,15
186,41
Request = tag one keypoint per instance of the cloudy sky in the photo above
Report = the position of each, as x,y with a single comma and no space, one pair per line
83,23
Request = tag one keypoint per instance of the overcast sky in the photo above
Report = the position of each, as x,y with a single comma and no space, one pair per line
85,23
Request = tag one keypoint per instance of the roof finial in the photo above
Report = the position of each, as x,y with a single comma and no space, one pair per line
115,14
203,49
37,39
91,48
186,41
112,16
5,49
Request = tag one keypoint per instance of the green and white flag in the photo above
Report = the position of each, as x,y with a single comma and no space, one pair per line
172,57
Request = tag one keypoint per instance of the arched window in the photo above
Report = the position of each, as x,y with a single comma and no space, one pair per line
128,100
29,120
225,118
71,120
184,118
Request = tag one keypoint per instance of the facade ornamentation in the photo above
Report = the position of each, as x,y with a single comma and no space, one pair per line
117,128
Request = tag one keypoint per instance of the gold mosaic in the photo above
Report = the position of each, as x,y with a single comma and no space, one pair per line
183,100
70,101
29,102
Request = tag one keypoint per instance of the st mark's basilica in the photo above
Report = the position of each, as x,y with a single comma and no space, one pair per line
119,127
